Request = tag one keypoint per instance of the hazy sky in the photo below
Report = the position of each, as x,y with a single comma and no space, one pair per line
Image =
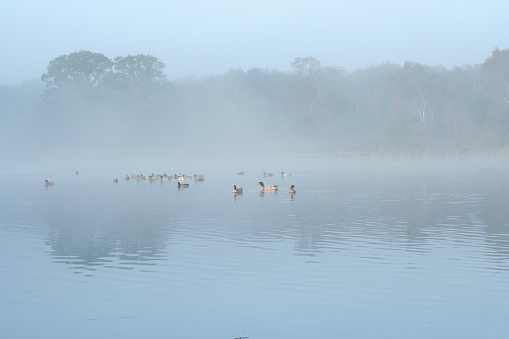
210,37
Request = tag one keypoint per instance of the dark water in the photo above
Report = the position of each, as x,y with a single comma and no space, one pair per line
370,249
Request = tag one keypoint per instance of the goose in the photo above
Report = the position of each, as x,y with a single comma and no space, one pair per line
292,190
182,185
237,190
48,183
283,174
266,188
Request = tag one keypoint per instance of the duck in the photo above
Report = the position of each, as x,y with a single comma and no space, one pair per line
237,190
266,188
126,177
182,185
283,174
199,177
292,189
115,180
265,174
48,183
240,173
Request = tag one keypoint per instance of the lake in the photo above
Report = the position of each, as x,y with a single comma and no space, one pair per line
373,248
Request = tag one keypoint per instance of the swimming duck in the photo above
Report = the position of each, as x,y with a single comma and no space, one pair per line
283,174
240,173
198,177
237,190
292,189
182,185
115,180
48,183
266,188
265,174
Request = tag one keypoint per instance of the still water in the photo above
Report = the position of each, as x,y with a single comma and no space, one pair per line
369,249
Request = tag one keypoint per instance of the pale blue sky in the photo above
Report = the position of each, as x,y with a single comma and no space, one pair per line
210,37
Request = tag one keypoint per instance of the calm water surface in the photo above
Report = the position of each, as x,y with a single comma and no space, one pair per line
415,249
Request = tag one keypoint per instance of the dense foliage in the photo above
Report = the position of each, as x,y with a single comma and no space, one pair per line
92,103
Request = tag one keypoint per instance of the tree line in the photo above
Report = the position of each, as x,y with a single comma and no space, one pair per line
388,108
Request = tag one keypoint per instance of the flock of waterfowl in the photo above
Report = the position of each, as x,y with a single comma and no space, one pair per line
182,177
162,177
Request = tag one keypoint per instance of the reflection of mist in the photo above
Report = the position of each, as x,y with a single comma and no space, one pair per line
92,231
414,211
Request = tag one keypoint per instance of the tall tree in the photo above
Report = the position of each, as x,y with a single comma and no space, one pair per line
422,91
308,70
496,74
140,69
461,93
76,72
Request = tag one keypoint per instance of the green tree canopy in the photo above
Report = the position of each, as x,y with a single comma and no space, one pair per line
307,66
77,69
421,90
308,70
496,74
140,69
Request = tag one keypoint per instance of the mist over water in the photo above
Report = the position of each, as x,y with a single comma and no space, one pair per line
401,245
92,109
